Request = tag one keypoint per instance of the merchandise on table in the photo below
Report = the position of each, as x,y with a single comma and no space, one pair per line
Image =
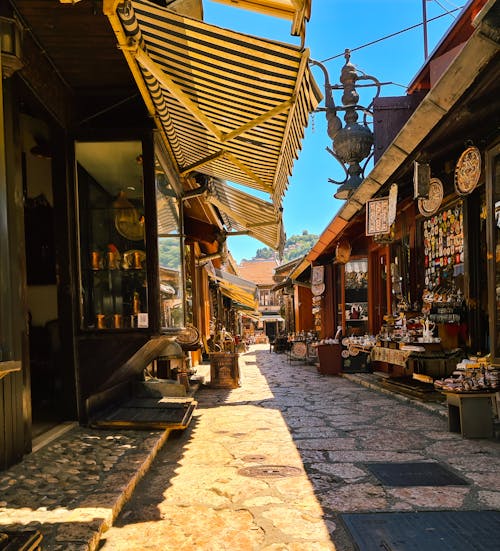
471,375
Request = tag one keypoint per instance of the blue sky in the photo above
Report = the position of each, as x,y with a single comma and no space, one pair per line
334,26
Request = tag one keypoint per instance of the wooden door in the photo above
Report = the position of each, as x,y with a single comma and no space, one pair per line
379,288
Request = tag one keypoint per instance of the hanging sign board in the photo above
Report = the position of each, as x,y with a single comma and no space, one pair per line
377,216
318,273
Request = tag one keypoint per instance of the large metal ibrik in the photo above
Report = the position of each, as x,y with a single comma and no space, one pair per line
353,142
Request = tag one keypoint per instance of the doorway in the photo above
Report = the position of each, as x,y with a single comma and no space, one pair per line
379,300
47,396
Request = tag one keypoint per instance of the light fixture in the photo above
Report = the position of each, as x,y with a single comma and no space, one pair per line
421,179
11,34
353,142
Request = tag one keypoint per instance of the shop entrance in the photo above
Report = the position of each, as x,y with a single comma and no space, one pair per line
45,351
379,301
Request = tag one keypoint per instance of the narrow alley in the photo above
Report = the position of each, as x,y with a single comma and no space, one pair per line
275,464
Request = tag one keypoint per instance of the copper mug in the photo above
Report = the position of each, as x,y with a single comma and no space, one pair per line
95,260
137,260
101,323
117,321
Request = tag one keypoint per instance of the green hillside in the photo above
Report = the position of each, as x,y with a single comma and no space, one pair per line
295,247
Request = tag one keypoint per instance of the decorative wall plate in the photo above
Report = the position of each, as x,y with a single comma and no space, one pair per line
468,170
190,336
317,289
133,230
299,349
430,204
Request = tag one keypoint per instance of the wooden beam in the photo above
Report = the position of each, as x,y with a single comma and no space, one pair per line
243,167
201,231
284,106
147,63
201,162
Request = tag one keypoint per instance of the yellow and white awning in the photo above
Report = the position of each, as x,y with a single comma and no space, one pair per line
242,212
229,105
237,289
298,11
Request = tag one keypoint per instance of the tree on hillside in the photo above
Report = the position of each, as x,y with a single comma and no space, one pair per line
295,247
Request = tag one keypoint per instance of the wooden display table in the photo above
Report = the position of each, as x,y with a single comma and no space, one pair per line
470,413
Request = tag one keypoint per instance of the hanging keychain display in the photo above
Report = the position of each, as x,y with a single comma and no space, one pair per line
443,246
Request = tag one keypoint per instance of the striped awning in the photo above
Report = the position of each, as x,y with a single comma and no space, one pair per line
229,105
298,11
244,213
240,291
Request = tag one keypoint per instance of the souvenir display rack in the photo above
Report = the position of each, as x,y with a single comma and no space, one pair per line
443,240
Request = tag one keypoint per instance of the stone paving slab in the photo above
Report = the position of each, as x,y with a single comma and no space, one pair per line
199,493
73,488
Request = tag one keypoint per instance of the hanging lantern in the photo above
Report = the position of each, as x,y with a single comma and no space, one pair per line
351,143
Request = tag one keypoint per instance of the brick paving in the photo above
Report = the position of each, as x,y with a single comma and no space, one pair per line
268,466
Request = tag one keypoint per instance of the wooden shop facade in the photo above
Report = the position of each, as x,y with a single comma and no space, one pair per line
120,124
410,267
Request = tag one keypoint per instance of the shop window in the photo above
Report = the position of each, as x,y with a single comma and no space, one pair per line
170,253
356,296
113,282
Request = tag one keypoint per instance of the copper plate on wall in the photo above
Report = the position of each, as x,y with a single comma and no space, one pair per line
430,204
468,171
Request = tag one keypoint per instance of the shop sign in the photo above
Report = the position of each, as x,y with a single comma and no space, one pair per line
318,273
377,216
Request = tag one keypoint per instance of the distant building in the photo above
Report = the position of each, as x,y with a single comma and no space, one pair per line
261,272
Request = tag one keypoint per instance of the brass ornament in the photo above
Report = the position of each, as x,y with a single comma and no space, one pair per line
343,252
430,204
468,171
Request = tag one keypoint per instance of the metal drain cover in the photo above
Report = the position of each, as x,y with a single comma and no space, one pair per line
270,471
253,458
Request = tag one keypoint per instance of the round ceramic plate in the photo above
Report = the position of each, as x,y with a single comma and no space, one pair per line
134,231
299,349
189,336
430,204
318,289
468,171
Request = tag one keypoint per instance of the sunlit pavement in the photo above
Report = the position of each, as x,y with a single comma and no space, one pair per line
268,466
273,464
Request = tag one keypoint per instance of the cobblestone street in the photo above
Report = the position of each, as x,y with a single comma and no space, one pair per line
272,465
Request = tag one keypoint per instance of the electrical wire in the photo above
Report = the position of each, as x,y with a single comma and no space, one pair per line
444,8
391,35
447,2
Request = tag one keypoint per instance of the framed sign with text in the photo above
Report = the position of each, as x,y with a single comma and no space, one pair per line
377,216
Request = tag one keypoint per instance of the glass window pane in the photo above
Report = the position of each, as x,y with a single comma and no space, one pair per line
111,233
170,253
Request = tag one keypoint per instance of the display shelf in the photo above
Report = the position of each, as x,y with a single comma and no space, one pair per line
113,258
